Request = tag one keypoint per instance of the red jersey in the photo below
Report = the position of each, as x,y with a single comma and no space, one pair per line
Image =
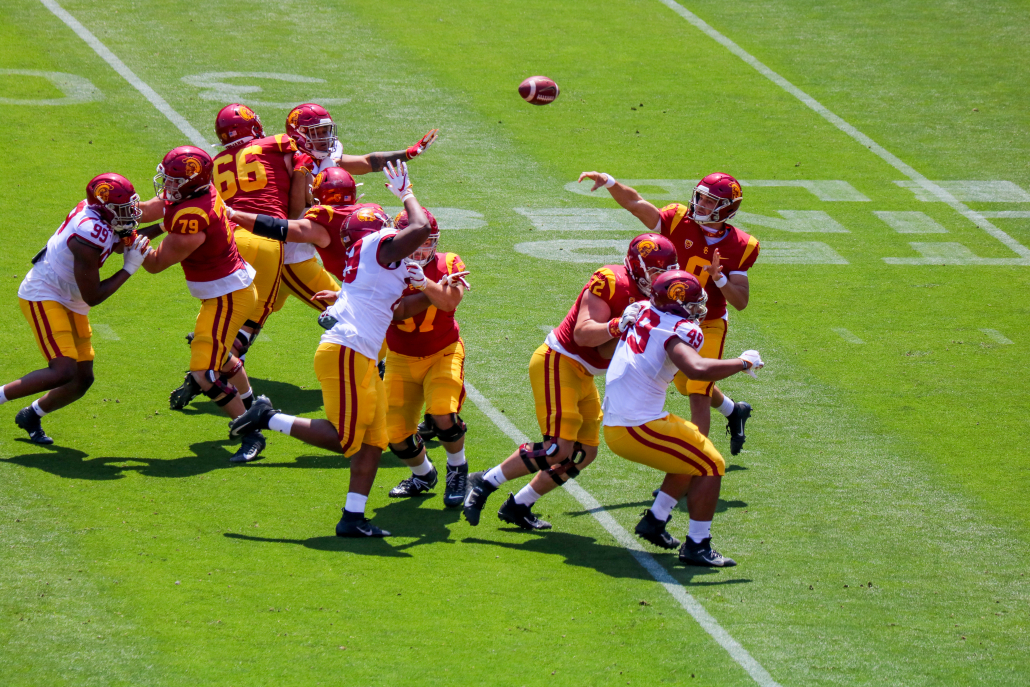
255,177
217,257
332,217
432,330
613,285
737,252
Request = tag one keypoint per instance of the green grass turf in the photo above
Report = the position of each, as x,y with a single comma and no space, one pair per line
900,462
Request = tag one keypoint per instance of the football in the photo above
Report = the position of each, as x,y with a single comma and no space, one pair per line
539,90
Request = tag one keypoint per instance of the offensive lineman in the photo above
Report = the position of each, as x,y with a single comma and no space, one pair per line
562,372
353,394
667,338
63,284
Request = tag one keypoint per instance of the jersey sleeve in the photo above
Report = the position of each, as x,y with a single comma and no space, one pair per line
749,256
188,220
671,215
690,334
281,143
91,231
454,263
320,214
603,284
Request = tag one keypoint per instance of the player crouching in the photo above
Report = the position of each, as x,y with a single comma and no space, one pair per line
665,339
426,366
562,371
63,284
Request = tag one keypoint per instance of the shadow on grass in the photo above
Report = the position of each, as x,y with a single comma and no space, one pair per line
722,507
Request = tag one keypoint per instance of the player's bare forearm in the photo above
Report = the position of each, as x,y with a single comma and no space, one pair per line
173,250
631,200
151,232
372,162
408,239
690,363
409,306
591,327
87,274
737,291
445,298
153,210
298,194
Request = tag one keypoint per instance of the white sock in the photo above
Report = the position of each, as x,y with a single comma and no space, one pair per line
248,394
355,502
727,406
699,531
495,477
35,407
281,422
453,459
663,505
3,400
527,496
424,469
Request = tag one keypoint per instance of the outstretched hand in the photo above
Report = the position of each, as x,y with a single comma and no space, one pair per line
599,179
397,180
715,269
420,147
327,296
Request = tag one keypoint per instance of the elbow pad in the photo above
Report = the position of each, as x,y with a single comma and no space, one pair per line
271,228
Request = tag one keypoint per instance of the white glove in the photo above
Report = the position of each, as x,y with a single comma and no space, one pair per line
135,254
397,180
755,360
455,279
416,277
630,315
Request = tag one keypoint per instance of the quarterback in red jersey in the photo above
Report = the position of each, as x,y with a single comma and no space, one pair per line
200,237
425,366
562,370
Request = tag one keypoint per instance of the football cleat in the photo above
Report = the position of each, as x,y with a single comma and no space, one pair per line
188,391
692,553
652,529
457,485
475,498
256,418
427,428
250,450
357,526
415,485
520,515
381,366
735,426
30,422
189,338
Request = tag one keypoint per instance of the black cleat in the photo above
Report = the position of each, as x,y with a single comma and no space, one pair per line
256,418
475,498
30,422
189,390
415,485
189,338
381,366
703,555
427,428
250,450
652,529
457,485
735,426
520,515
357,526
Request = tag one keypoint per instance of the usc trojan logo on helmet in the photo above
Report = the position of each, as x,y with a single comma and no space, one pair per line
366,215
645,248
193,166
735,190
103,191
317,183
293,117
246,113
678,291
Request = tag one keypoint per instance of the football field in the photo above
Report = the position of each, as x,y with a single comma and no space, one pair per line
879,512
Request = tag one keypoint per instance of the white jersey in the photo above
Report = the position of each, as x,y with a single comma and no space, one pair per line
364,310
641,370
53,277
300,252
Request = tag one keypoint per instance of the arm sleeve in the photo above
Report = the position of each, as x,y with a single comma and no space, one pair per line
690,334
320,214
454,263
603,284
285,144
750,255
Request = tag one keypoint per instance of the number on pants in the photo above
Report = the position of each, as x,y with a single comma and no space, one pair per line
637,337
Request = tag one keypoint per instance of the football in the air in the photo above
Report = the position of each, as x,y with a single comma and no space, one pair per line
539,90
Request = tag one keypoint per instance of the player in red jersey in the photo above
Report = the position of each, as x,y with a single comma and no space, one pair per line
425,367
200,237
562,370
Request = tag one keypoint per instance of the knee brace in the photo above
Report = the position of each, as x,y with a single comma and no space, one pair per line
568,468
412,448
222,390
234,370
535,455
454,432
247,340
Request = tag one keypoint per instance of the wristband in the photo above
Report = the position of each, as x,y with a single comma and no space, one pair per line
407,195
613,327
271,228
721,281
611,180
230,213
747,365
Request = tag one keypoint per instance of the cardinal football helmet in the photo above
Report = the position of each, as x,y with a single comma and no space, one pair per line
184,172
648,256
237,124
334,186
367,219
679,293
423,255
313,129
114,197
716,199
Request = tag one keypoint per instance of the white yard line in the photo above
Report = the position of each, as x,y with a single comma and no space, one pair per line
977,218
645,559
998,336
847,335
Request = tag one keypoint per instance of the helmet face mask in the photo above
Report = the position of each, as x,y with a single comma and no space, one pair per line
113,197
125,216
320,138
184,172
425,253
679,293
312,127
715,199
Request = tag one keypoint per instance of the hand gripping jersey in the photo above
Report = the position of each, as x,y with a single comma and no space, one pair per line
641,370
737,252
612,284
215,268
53,277
254,177
431,330
299,252
333,217
365,307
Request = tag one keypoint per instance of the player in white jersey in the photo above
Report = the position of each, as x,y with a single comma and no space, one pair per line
63,284
353,394
665,340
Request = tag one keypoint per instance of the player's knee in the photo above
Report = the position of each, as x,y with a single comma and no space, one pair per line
232,367
408,449
449,428
83,381
538,455
220,389
569,468
65,368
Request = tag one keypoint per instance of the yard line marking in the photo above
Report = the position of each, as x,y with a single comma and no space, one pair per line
645,559
848,336
546,328
997,336
149,93
894,161
105,332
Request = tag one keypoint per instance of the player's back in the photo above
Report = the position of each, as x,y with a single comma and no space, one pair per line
213,266
256,176
431,330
